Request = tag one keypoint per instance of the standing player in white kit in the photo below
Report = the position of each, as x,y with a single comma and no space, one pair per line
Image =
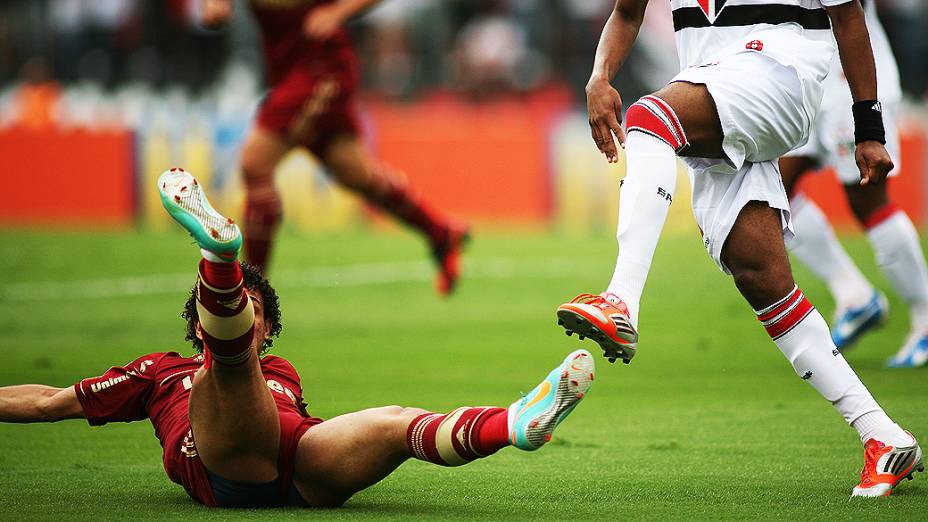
748,93
859,307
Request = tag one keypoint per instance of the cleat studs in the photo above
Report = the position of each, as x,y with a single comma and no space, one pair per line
547,437
173,169
580,395
591,377
564,374
195,182
626,361
213,232
560,322
568,332
230,221
581,337
183,188
533,424
574,382
177,198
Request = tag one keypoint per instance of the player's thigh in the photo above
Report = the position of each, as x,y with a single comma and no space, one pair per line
347,159
755,253
348,453
694,106
792,168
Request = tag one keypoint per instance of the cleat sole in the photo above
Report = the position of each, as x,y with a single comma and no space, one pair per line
612,350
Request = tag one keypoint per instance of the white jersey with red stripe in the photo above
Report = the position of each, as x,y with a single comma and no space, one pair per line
705,27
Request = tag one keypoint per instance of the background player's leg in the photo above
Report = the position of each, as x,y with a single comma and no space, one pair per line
342,456
816,245
899,255
352,165
755,254
261,153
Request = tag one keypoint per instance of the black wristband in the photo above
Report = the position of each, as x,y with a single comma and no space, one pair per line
868,122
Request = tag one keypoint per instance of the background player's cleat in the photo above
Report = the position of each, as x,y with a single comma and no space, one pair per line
183,198
885,467
913,354
447,254
603,318
532,419
850,324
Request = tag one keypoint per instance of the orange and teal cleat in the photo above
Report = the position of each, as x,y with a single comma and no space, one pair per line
603,318
532,419
886,466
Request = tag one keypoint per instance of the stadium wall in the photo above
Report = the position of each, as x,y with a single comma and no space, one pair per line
525,162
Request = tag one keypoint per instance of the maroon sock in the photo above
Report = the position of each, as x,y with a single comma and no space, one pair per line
456,438
399,201
262,217
224,310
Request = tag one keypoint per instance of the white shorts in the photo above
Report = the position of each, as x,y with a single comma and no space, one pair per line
766,109
832,139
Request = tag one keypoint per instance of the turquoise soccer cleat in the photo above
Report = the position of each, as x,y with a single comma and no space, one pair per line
533,419
184,199
850,324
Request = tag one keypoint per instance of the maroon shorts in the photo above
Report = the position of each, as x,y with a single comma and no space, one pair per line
183,465
314,100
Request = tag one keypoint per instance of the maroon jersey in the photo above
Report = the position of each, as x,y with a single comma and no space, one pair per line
157,387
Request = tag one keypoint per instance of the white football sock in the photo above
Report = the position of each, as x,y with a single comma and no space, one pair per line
644,199
817,247
898,252
801,333
877,425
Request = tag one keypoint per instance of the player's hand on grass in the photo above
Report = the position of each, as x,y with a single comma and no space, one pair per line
605,108
215,13
873,161
323,21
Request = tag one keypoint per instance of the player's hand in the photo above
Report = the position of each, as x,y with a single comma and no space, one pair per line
322,22
873,161
215,13
605,108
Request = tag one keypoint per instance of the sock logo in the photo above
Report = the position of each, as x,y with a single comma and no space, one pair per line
664,194
835,352
808,375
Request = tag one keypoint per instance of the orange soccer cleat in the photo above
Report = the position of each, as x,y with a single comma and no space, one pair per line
603,318
886,466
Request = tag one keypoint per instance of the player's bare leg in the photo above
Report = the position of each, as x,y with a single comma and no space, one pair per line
679,119
233,416
755,254
351,452
262,152
350,163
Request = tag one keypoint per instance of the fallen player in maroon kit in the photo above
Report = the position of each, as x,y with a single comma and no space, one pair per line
312,71
232,421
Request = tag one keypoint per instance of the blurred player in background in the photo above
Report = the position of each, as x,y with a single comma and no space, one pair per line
232,421
748,93
858,305
313,75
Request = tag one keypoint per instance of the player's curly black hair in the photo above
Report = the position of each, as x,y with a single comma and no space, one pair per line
254,281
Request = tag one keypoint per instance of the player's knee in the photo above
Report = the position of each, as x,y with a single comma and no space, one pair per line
760,281
256,171
652,115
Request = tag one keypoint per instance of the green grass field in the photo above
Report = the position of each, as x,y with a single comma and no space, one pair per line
708,422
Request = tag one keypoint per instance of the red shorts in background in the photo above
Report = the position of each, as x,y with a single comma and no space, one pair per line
314,99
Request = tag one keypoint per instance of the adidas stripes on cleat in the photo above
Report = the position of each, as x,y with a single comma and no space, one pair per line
183,198
532,419
603,318
886,466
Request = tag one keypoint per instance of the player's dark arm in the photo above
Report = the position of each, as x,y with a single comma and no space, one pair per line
850,29
39,403
603,101
324,20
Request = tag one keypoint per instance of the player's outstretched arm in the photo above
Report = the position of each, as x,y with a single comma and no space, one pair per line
323,21
603,101
850,29
38,403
